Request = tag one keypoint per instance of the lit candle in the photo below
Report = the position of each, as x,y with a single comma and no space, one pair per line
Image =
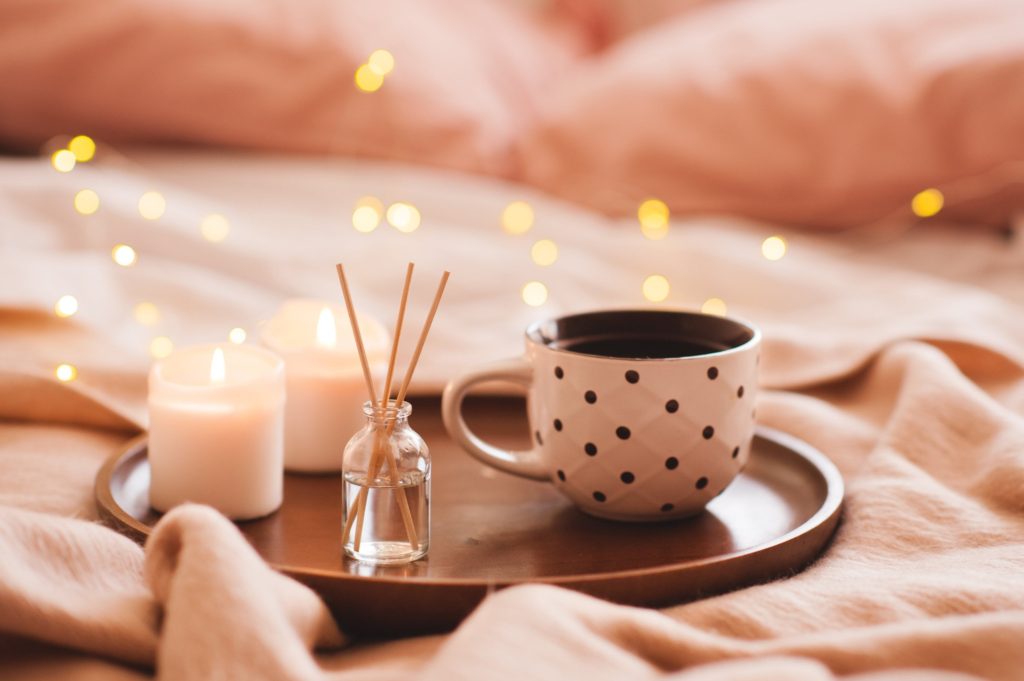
326,389
216,430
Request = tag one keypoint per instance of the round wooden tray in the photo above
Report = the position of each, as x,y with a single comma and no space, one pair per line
491,530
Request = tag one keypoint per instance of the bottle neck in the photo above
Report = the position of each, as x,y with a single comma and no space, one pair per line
393,415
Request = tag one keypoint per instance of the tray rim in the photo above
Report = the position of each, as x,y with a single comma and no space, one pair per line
825,518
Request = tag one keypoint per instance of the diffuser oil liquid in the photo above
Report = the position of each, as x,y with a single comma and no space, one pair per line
393,531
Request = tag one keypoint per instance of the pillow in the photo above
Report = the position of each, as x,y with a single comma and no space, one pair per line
780,110
278,74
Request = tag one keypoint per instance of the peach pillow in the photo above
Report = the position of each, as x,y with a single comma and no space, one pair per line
278,74
784,110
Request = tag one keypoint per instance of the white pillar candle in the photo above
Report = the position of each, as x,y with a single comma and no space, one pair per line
326,388
216,430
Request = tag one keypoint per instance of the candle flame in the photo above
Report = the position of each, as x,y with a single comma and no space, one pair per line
326,333
217,370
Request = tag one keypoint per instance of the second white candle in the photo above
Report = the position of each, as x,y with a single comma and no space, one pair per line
324,380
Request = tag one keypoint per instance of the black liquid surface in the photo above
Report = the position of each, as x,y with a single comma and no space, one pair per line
635,347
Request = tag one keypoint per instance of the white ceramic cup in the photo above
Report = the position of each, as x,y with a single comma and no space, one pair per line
636,414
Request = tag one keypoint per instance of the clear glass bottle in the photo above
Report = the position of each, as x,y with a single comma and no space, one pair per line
386,488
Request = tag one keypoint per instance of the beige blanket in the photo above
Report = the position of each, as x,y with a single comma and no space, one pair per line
913,385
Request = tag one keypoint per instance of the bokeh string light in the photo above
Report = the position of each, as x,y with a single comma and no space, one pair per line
653,215
534,294
517,218
237,335
147,314
655,288
87,202
544,252
381,62
65,372
152,205
63,161
161,347
66,306
215,228
83,148
715,306
124,255
773,248
403,216
369,77
927,203
367,214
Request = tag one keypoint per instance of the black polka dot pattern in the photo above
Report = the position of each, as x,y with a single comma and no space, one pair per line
672,463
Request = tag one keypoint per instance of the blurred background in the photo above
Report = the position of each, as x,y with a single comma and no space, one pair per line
173,170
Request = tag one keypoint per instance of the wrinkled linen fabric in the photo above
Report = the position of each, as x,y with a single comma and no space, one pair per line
790,110
911,382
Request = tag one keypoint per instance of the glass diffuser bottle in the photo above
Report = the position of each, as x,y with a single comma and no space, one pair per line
386,488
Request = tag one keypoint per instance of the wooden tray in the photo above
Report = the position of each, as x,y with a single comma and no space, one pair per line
492,530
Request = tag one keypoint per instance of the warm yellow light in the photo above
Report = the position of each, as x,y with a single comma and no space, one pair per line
66,306
215,228
381,62
237,335
367,79
715,306
517,218
655,288
147,314
124,255
218,371
773,248
87,202
160,347
365,219
82,147
535,294
927,203
326,330
544,252
152,205
653,216
404,217
65,372
63,161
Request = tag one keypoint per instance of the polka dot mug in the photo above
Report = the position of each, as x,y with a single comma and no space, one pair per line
636,415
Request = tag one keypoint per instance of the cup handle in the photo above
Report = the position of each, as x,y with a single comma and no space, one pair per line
527,464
